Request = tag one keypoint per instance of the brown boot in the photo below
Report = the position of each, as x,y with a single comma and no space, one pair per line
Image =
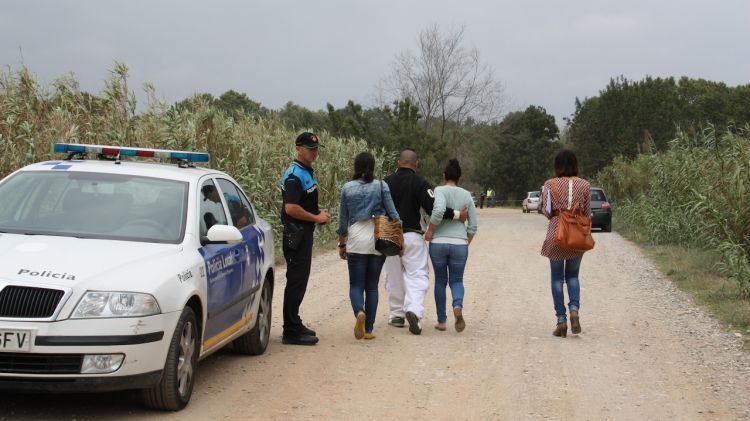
561,330
575,323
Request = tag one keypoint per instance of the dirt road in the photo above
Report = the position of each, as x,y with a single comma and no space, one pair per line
646,352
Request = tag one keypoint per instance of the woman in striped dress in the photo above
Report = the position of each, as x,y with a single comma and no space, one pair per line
564,264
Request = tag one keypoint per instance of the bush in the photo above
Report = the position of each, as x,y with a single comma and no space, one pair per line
694,194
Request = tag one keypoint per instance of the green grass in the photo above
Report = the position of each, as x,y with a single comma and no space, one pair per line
694,271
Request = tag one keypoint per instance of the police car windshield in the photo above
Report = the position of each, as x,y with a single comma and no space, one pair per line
94,205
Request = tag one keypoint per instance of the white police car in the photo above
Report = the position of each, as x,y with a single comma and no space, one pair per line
122,275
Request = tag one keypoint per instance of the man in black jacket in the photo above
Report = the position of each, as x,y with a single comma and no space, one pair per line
407,277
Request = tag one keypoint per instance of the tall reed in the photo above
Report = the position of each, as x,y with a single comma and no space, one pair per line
694,194
255,152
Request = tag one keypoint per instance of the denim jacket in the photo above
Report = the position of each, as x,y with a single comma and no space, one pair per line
361,201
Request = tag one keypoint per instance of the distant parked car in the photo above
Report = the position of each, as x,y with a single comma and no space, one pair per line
601,211
531,202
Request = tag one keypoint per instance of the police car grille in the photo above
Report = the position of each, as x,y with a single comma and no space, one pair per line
29,302
18,363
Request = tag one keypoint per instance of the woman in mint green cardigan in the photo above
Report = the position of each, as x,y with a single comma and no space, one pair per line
449,244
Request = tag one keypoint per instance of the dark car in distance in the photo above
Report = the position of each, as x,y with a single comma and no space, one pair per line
601,210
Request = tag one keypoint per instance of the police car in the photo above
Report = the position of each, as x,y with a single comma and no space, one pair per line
117,274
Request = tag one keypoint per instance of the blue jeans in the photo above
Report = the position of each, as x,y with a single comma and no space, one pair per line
565,271
364,274
448,261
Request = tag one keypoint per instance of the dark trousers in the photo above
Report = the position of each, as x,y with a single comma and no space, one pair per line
298,263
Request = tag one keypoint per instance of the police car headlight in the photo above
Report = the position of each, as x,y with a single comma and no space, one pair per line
115,304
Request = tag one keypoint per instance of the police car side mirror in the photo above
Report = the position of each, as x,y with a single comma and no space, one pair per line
223,234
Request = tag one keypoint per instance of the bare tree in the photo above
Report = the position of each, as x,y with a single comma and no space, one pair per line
446,80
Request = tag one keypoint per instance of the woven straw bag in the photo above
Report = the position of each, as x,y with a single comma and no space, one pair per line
389,236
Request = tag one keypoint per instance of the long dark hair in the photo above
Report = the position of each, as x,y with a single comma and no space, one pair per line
452,171
364,167
565,164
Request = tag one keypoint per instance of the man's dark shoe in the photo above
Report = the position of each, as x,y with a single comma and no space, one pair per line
414,326
307,331
397,322
299,340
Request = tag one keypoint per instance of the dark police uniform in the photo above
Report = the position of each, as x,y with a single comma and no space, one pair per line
298,186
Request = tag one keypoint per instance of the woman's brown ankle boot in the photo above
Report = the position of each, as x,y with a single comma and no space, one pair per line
561,330
575,323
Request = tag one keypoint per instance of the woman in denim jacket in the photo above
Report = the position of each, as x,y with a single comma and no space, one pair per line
361,199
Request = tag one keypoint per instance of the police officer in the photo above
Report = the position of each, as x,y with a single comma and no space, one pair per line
299,214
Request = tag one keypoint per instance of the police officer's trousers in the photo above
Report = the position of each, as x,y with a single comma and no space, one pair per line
298,263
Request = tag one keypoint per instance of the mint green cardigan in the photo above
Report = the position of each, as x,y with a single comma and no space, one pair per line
454,198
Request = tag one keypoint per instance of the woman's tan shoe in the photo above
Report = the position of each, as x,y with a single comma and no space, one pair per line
359,325
561,330
441,327
575,322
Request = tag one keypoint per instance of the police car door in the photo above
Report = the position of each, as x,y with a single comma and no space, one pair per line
223,268
242,217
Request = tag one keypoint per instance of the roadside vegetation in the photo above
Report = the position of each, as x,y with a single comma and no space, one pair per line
688,206
254,150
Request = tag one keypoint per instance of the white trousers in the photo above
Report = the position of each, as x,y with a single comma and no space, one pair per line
407,277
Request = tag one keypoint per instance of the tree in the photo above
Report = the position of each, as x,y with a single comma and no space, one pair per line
445,80
520,158
393,127
298,117
349,121
195,101
403,129
235,103
628,118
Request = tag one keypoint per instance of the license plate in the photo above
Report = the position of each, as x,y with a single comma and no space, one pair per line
15,340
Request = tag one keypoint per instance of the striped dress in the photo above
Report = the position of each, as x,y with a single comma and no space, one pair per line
558,188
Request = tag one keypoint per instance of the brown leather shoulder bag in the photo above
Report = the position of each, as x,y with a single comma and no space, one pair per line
573,226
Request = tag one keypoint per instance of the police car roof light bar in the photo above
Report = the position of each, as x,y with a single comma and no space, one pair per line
74,149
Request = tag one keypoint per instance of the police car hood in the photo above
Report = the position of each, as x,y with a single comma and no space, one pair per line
74,262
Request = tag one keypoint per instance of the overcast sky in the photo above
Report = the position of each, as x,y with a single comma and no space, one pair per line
545,53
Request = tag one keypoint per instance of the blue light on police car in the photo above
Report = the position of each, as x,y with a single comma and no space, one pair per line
69,147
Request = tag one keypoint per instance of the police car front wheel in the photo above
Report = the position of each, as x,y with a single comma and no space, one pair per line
176,386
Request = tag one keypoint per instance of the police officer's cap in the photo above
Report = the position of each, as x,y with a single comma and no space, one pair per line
307,140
